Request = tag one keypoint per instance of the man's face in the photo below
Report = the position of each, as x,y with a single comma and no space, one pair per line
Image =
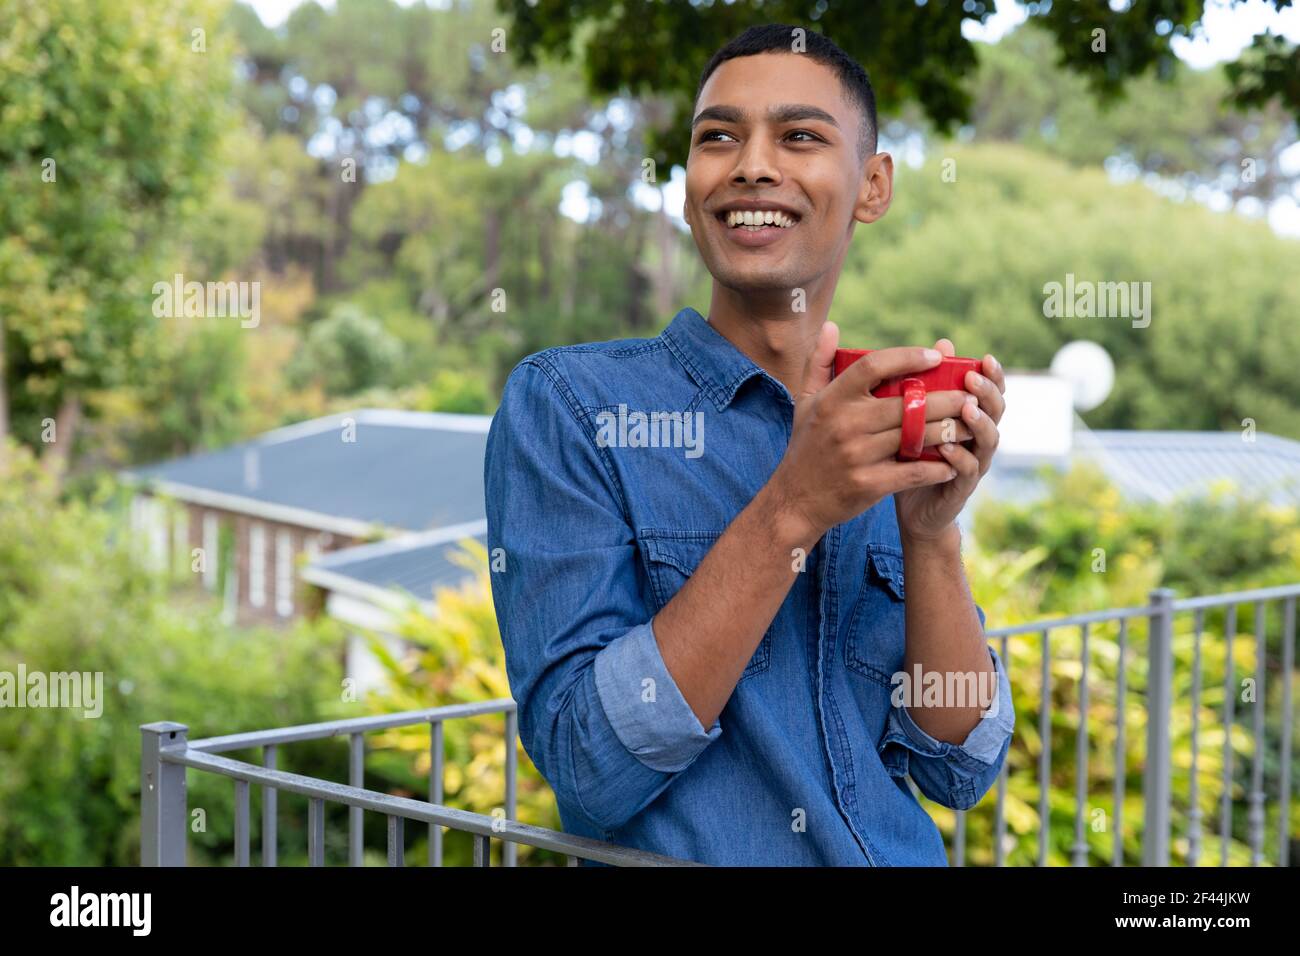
777,128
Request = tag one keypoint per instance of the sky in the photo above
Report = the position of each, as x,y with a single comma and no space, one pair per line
1225,32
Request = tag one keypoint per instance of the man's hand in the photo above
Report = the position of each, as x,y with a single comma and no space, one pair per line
926,514
841,459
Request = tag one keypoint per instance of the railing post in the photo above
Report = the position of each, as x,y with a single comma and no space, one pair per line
509,850
162,796
1156,792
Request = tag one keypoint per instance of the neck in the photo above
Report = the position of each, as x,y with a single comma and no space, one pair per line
765,327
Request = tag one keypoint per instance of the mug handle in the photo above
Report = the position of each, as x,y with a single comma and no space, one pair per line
913,438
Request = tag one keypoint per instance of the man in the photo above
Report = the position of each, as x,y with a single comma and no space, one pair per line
704,530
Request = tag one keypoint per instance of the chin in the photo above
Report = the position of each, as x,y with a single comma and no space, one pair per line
758,279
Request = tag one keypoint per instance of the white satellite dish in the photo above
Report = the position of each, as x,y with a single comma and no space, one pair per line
1089,370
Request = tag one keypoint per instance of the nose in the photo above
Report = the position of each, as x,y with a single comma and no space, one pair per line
756,162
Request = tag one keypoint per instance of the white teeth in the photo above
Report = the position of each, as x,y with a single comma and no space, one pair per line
756,219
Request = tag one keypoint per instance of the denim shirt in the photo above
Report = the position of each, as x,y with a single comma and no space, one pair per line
599,526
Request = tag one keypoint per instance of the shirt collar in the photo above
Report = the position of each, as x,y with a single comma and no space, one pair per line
717,366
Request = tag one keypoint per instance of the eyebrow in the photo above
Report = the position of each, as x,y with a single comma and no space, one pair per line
786,113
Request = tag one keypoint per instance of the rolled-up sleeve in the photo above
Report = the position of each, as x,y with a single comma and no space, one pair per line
599,713
954,775
644,705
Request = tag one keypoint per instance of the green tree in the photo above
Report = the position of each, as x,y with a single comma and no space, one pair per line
345,353
914,52
109,115
1178,129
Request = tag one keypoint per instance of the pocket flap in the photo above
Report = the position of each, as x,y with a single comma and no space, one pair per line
888,565
681,550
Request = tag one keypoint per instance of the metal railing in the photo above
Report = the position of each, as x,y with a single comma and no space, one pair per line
166,755
1158,701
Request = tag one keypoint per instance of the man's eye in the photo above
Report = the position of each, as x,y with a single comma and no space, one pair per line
707,135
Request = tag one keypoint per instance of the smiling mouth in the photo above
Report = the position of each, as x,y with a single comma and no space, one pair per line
757,219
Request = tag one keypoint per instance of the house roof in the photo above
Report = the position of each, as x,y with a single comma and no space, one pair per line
417,564
349,473
1161,466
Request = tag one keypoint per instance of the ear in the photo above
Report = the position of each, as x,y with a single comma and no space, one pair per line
876,190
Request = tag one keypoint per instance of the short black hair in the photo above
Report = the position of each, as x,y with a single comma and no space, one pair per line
779,38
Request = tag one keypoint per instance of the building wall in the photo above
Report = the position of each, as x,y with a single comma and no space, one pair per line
172,535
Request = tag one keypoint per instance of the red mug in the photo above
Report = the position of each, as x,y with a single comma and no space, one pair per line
948,375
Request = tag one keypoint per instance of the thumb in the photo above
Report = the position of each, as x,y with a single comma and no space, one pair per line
821,363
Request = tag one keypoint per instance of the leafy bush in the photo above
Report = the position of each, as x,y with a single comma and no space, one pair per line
73,598
1029,562
346,352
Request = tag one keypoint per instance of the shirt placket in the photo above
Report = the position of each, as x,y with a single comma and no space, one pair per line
834,737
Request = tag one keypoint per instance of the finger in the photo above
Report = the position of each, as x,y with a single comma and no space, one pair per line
820,366
986,435
946,347
870,370
992,369
945,404
989,395
884,444
887,413
947,430
901,475
966,464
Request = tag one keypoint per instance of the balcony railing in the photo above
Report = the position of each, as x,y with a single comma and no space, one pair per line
167,754
1157,656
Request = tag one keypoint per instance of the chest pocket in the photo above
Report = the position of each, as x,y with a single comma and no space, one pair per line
875,644
671,558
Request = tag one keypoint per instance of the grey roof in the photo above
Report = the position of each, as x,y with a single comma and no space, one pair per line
1161,466
405,470
417,564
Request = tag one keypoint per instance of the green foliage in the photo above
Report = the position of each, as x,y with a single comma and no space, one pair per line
1030,563
345,352
194,396
452,391
1177,130
108,120
1100,550
73,597
969,259
915,53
